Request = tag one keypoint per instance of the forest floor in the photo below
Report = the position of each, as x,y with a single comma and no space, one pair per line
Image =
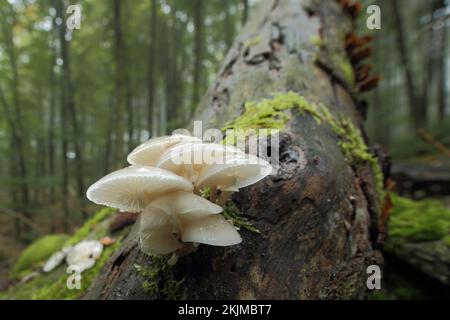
415,179
10,249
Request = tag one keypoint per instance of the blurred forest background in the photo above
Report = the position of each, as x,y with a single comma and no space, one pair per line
74,103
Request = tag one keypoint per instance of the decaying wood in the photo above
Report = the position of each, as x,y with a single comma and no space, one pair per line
421,180
318,215
427,137
431,258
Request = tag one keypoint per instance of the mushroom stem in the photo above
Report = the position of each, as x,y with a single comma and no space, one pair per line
177,224
224,197
213,196
173,260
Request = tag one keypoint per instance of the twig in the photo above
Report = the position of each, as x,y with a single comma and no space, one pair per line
425,135
21,217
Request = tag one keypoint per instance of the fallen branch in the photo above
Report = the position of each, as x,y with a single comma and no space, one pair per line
21,217
427,137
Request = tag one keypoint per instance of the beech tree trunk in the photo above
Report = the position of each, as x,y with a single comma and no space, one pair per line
318,216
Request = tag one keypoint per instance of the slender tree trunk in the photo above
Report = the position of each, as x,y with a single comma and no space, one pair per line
14,197
128,92
169,61
317,216
229,26
176,79
69,101
442,71
109,137
63,121
52,117
19,145
245,12
119,59
151,69
198,51
414,99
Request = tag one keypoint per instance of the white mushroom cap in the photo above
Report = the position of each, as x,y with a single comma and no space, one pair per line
54,261
150,151
237,172
185,204
132,188
213,230
188,159
84,254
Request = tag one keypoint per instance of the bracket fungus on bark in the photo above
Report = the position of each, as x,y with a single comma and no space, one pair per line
173,218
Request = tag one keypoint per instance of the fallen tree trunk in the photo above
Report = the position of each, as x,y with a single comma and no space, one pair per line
317,217
421,180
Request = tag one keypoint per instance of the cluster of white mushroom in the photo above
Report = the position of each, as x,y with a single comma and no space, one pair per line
82,255
162,183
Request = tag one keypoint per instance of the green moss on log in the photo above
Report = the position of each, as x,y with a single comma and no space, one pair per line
159,279
417,221
273,114
344,68
232,213
91,225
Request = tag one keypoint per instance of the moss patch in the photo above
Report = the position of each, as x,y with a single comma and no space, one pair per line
253,42
317,41
344,68
417,221
91,225
272,114
37,253
231,212
58,290
52,285
159,279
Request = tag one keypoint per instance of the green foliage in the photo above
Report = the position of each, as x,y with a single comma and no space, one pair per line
159,279
37,252
205,192
417,221
39,63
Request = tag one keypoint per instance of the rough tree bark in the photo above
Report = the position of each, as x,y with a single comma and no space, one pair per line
318,215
